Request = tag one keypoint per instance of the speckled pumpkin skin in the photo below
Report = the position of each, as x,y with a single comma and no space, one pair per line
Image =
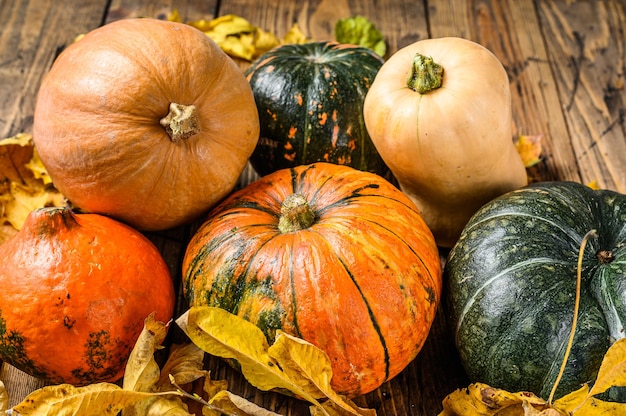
310,102
76,290
512,280
362,282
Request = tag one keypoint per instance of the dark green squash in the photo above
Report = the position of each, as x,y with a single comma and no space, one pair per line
310,101
511,281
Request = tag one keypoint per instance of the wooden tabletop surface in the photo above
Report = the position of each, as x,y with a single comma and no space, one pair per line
566,64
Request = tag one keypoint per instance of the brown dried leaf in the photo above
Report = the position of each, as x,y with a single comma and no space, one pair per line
184,363
15,152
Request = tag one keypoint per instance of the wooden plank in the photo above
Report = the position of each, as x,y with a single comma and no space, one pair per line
33,32
586,44
510,29
401,22
188,10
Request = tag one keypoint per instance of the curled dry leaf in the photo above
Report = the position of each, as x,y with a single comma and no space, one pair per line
94,399
4,397
237,37
24,184
482,400
184,363
236,405
142,371
289,364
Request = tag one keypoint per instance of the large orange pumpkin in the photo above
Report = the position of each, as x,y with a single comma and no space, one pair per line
333,255
76,290
145,120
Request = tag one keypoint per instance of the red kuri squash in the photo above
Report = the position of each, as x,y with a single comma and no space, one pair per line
76,289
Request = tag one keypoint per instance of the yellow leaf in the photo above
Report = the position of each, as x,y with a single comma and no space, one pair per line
24,183
20,201
612,373
331,408
238,46
482,400
35,165
613,368
294,35
142,371
174,16
4,398
593,185
184,363
232,404
263,42
301,360
225,335
94,399
529,148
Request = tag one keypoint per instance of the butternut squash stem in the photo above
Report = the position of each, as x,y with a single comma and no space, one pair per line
296,214
425,75
181,122
570,342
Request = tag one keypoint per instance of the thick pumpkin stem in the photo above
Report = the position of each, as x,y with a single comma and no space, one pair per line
296,214
181,122
425,75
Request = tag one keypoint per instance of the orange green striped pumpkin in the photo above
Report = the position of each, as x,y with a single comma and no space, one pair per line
310,102
331,254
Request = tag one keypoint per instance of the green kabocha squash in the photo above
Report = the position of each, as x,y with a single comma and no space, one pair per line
512,281
310,102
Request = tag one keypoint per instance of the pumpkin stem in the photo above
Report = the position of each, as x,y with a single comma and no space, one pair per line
425,75
181,122
59,218
581,251
296,214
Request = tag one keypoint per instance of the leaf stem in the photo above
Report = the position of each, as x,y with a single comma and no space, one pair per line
570,342
197,398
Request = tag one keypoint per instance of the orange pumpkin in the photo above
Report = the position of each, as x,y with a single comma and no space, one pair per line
76,289
145,120
336,256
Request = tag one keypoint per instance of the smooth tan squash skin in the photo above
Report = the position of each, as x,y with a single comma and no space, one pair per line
97,122
450,149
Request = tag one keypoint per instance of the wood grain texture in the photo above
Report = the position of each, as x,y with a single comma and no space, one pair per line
565,61
586,45
33,33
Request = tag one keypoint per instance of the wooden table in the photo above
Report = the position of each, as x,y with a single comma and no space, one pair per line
565,60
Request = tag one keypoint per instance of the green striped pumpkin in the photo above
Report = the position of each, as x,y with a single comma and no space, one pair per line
333,255
310,102
512,279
